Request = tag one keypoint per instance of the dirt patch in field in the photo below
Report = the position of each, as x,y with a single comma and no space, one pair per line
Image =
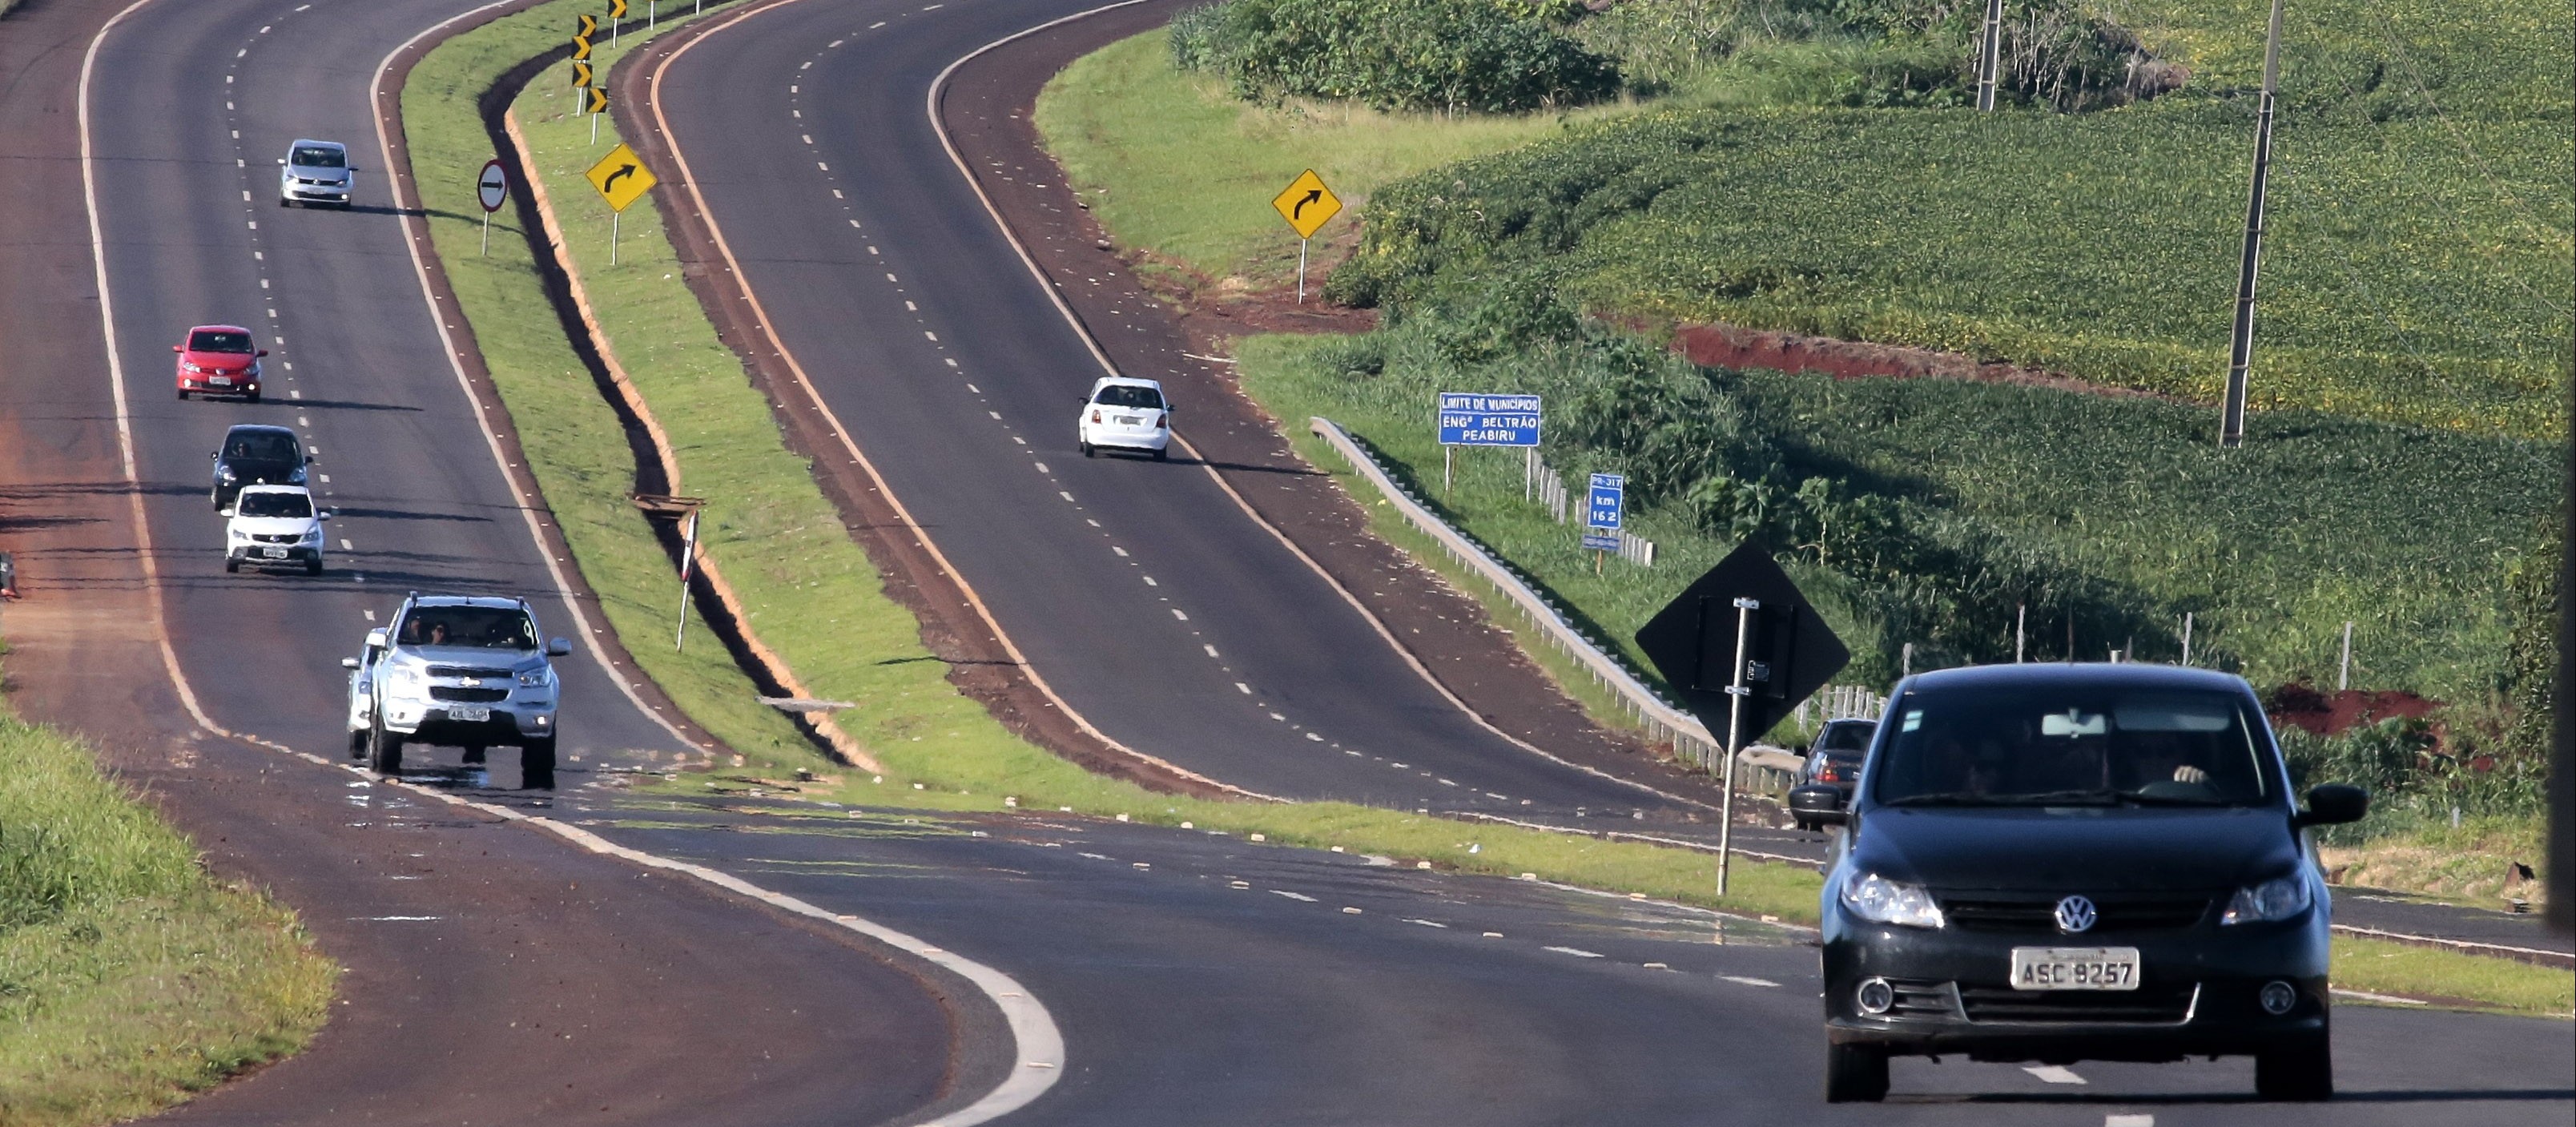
1731,346
2321,712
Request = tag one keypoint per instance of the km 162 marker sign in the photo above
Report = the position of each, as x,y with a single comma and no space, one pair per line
1602,506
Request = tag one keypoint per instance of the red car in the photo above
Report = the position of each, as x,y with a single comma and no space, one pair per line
219,360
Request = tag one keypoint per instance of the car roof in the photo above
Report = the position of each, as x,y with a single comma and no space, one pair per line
301,142
496,602
1129,381
218,329
259,428
277,489
2126,674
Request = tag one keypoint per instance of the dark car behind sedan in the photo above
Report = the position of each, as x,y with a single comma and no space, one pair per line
2056,863
256,454
1834,759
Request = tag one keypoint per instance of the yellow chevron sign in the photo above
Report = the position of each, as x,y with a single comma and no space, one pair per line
598,104
581,75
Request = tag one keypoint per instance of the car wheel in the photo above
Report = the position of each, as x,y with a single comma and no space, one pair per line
1162,453
358,744
283,201
183,395
231,565
537,764
253,397
2301,1070
1855,1074
474,753
384,749
1086,450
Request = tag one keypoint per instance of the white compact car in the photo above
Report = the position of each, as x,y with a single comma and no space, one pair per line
274,525
316,172
1125,414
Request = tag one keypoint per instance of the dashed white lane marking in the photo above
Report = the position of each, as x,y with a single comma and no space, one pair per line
930,336
1069,497
809,138
371,615
1247,691
876,25
395,919
344,546
2128,1121
834,43
1577,952
1740,980
1149,581
2053,1074
1429,923
1299,896
806,65
1176,611
1211,650
1117,549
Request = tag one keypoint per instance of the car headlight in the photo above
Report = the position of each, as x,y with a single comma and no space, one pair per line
534,678
2278,899
405,680
1880,900
312,536
228,475
296,475
236,534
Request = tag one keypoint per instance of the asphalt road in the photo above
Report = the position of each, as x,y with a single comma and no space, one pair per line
1142,591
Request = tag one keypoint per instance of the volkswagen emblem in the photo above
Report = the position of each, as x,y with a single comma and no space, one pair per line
2075,914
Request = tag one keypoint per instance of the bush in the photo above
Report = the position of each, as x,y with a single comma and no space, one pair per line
1444,55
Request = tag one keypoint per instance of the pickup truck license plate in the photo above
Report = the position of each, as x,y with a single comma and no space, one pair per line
470,713
273,553
2075,968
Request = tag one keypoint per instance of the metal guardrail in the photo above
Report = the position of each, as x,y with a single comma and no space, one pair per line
1690,739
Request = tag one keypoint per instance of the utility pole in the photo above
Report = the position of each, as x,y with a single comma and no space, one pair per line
2240,349
1990,56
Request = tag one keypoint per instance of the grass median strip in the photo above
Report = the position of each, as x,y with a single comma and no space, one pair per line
811,593
128,977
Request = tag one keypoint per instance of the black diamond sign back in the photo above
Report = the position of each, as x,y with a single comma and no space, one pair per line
1790,652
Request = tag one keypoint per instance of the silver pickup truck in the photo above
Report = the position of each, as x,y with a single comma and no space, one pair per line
459,670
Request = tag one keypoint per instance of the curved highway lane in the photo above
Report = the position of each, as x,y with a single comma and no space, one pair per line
1143,592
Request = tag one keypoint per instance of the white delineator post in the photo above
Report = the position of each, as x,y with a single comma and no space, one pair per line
1735,692
688,555
1301,270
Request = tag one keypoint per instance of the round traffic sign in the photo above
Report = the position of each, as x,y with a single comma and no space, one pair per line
493,186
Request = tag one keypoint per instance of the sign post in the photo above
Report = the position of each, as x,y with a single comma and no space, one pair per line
1603,502
1743,649
684,510
1483,419
491,189
1306,205
621,179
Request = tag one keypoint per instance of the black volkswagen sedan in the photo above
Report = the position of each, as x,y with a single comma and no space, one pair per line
2054,863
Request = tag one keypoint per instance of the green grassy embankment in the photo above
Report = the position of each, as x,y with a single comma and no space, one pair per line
129,979
813,595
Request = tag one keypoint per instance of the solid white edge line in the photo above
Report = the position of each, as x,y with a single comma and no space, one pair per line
939,87
413,237
796,368
1038,1054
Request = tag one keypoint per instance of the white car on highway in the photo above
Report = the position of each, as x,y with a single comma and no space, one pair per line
316,172
1125,414
274,525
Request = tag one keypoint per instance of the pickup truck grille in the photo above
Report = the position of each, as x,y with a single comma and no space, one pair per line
469,671
468,696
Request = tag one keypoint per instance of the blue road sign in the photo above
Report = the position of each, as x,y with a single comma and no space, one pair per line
1476,419
1603,502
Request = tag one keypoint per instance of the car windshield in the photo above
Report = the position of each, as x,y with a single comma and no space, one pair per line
258,447
1129,395
218,340
275,505
1853,738
315,156
492,628
2070,745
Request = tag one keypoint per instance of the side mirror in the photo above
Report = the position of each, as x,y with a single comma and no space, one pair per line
348,663
308,459
178,348
1821,803
322,515
281,160
558,648
225,512
376,639
2334,804
213,455
262,352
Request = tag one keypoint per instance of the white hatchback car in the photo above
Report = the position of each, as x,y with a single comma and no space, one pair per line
274,525
1125,414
